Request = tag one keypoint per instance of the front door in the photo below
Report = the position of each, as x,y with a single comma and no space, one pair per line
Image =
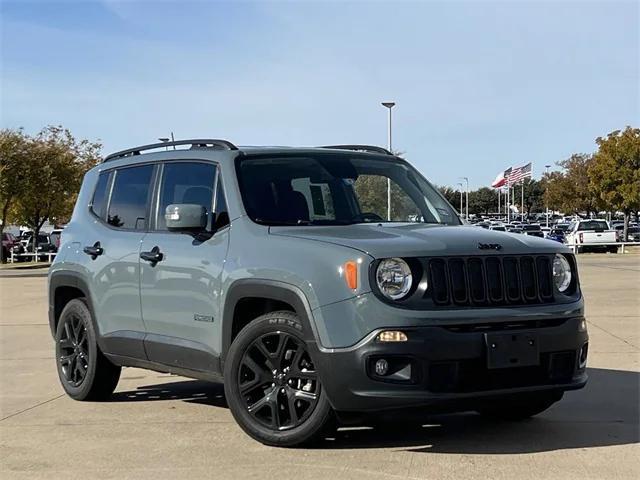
180,292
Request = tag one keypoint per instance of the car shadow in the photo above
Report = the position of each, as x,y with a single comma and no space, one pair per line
190,391
606,412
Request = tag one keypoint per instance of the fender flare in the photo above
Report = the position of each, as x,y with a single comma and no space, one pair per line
75,280
271,289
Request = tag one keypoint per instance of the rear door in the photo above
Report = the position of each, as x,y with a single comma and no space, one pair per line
180,293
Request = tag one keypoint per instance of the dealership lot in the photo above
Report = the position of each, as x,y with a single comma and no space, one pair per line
163,426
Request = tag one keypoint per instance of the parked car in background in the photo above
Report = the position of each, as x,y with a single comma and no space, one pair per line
557,235
633,234
498,228
25,245
8,242
533,230
513,229
54,237
619,228
592,234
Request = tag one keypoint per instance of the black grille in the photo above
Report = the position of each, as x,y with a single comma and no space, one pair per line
487,281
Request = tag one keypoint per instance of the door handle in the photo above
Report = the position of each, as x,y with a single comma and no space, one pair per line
95,251
153,257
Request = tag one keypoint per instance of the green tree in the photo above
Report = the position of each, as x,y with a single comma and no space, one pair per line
533,195
569,190
14,148
614,174
483,201
52,177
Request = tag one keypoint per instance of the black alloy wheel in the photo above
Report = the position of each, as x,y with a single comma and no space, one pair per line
278,381
74,354
85,372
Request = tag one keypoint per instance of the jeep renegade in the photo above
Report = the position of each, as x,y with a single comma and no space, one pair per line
283,273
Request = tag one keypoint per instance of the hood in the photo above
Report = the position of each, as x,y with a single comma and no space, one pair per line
415,240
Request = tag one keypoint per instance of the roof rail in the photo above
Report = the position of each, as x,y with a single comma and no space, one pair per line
196,143
360,148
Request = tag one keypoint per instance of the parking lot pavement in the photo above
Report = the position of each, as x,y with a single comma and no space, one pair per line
163,426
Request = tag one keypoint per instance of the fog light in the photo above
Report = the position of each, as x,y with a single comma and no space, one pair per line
382,367
583,356
582,326
392,336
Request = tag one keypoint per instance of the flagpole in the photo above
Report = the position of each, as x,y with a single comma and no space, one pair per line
508,201
522,186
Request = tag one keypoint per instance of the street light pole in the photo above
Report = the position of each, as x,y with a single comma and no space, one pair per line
460,183
546,167
389,106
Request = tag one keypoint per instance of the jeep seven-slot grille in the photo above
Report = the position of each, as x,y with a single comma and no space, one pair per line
485,281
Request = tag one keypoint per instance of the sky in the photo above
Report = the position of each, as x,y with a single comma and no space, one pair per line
479,86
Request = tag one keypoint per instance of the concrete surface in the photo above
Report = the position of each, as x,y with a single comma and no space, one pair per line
161,426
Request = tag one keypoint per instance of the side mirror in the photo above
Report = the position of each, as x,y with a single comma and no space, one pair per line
185,217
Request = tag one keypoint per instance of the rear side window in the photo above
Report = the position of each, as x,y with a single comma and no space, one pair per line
128,205
100,195
593,225
186,182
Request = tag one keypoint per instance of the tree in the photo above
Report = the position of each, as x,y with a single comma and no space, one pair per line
14,147
483,201
570,190
614,174
52,176
533,195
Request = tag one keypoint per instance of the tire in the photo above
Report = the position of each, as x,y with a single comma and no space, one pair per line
520,407
84,372
287,408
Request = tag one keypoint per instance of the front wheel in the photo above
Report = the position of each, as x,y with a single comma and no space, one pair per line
519,407
271,383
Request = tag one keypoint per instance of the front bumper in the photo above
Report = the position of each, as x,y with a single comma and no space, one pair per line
448,367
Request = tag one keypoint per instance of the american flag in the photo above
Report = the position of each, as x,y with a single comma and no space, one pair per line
518,174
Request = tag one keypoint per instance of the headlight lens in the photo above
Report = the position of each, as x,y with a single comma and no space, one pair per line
561,273
393,277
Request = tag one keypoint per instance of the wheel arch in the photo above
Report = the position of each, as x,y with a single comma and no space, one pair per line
64,287
281,295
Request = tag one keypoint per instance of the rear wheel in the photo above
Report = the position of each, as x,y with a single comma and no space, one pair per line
84,372
520,407
272,385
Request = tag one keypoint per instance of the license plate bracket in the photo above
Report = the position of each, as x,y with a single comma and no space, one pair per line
509,350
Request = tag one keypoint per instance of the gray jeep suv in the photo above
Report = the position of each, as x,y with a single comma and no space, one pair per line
283,273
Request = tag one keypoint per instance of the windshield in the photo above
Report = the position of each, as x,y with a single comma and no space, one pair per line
337,189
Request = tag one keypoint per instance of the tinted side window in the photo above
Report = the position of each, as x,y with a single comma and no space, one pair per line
128,206
184,182
100,195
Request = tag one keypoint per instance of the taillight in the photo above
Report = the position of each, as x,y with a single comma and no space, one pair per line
581,238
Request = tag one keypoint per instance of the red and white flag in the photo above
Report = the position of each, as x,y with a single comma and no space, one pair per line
501,179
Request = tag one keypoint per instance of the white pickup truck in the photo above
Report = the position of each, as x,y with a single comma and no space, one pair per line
591,234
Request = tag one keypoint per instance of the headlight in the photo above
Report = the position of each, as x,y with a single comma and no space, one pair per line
393,277
561,272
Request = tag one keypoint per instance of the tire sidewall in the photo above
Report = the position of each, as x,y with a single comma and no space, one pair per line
279,321
78,308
